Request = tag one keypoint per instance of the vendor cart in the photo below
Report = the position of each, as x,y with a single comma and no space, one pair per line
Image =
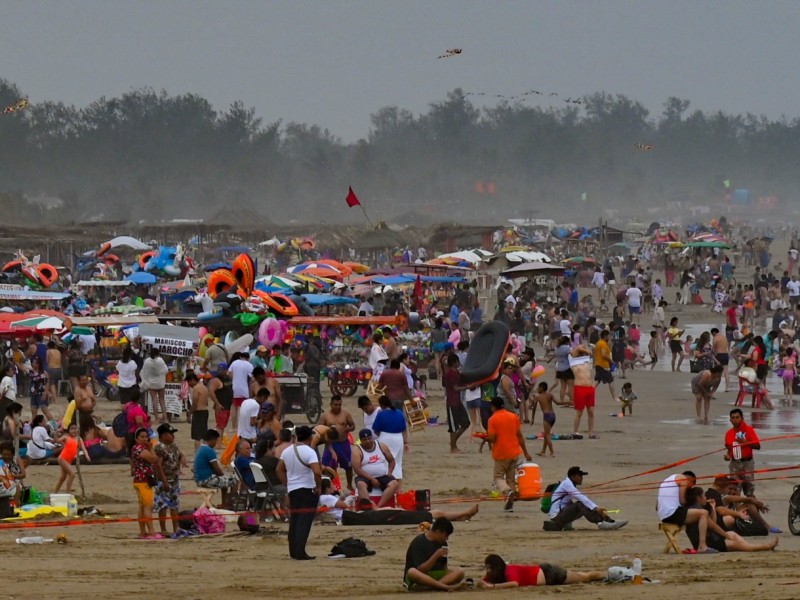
300,397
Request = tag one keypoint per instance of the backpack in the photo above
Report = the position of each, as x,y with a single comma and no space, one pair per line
547,498
350,548
120,425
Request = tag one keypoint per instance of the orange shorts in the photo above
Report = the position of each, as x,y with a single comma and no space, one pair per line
584,397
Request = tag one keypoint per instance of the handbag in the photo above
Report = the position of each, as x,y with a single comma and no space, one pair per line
695,366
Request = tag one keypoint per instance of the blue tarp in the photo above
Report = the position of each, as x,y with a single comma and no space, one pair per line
393,279
327,300
142,278
442,279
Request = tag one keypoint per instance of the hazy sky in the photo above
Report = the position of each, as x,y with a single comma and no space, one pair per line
333,63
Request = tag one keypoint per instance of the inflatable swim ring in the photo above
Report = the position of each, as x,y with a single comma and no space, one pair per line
48,274
245,273
220,281
172,270
307,244
14,264
145,257
269,333
111,259
239,344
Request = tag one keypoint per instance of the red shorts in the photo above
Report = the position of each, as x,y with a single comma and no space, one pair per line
238,401
222,417
584,397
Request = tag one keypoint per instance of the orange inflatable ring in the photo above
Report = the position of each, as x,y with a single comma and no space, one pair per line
12,265
48,274
244,271
145,257
220,281
307,244
111,259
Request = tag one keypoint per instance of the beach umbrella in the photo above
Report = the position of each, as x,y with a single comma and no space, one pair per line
579,260
51,324
30,322
707,244
142,278
532,269
356,267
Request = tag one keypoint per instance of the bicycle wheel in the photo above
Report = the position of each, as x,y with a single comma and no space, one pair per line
313,406
794,512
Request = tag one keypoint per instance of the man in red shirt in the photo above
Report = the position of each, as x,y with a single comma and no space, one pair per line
741,440
457,418
508,444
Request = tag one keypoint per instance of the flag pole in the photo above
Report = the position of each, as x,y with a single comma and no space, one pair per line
366,216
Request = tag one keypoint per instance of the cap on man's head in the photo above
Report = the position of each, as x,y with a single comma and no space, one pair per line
365,434
165,428
573,471
261,348
724,479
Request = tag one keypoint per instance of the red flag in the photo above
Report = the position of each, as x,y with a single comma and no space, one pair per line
352,199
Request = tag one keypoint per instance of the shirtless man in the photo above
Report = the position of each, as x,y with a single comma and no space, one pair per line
545,399
85,400
721,349
584,389
261,380
337,452
199,411
53,362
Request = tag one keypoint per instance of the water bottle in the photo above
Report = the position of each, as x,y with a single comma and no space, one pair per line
637,570
72,507
36,539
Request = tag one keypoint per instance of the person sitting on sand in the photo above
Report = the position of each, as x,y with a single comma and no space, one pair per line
569,504
500,575
717,539
731,504
426,560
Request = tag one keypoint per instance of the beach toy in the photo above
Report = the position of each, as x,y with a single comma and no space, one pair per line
270,333
244,271
238,344
278,303
748,374
145,258
47,274
480,435
220,281
485,354
529,481
150,303
538,371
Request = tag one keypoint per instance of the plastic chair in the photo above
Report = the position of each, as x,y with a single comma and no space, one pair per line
752,389
266,496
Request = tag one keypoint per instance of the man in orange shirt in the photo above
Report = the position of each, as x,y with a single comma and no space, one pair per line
504,432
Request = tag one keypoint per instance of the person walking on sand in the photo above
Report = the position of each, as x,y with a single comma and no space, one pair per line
457,418
545,399
508,445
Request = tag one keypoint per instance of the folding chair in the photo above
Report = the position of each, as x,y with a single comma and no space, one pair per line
671,531
415,414
244,490
266,496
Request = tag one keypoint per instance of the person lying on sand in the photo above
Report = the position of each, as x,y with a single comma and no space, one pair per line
500,575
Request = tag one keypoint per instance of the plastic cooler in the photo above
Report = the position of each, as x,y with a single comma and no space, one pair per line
529,481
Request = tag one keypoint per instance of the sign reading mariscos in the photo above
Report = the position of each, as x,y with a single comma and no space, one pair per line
170,346
169,340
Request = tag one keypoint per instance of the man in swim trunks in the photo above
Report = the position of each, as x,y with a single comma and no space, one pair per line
199,411
337,453
584,390
85,400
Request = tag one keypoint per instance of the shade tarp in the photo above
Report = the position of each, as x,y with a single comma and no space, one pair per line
126,240
103,283
328,300
533,268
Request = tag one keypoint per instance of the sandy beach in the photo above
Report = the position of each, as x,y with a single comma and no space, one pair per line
661,431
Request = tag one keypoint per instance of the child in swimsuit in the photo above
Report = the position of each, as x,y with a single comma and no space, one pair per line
68,454
545,399
627,397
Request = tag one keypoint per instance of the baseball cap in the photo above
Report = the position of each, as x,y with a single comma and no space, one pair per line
724,478
576,471
364,434
261,348
165,428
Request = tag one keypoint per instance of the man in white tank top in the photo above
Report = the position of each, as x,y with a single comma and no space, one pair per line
672,509
372,463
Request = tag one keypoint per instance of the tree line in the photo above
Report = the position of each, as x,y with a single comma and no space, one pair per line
147,155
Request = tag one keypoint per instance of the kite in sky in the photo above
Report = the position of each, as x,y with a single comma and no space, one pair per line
20,105
450,53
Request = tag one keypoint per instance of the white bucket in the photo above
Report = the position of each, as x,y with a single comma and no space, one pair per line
61,500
